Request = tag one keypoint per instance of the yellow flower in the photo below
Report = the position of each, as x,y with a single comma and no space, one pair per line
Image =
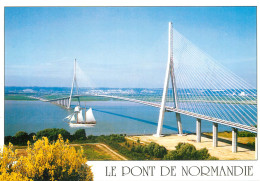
45,161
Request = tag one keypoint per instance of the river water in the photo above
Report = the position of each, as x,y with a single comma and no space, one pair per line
113,117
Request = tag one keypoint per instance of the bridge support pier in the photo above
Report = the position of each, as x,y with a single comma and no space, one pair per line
178,118
66,103
78,101
234,140
198,129
215,134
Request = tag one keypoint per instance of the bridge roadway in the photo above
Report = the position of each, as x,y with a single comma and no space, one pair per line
171,109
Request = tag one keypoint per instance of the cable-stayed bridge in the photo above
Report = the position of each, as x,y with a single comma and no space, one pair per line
198,86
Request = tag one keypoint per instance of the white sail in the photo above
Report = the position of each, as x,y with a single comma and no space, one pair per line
68,117
77,109
73,118
80,117
90,117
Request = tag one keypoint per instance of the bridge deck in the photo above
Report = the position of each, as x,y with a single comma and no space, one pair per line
171,109
188,113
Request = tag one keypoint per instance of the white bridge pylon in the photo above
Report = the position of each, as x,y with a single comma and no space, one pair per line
74,83
169,75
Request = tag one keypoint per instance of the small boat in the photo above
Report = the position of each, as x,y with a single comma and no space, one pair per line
76,119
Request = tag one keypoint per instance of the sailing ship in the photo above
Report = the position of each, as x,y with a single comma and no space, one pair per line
76,119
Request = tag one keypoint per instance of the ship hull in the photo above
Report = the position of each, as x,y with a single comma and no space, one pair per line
78,125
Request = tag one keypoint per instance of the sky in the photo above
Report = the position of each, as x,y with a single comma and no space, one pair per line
120,47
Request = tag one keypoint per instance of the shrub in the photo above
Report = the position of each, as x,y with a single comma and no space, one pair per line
90,137
21,138
155,150
45,161
159,151
8,139
245,134
133,148
31,136
251,144
127,144
171,155
202,154
80,134
150,148
145,149
186,151
139,149
7,158
117,138
212,158
52,134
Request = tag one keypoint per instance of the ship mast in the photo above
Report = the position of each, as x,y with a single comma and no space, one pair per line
77,117
85,112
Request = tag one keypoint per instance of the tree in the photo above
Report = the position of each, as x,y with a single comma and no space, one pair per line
21,138
159,151
150,148
31,136
133,148
139,149
186,151
171,155
80,134
202,154
52,134
8,139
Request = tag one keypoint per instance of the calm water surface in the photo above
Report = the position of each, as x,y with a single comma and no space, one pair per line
113,117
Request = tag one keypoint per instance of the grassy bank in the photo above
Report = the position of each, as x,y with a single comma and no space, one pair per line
244,137
129,149
93,152
18,97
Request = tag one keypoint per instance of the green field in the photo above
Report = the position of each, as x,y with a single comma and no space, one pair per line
92,152
244,137
149,98
82,98
18,97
